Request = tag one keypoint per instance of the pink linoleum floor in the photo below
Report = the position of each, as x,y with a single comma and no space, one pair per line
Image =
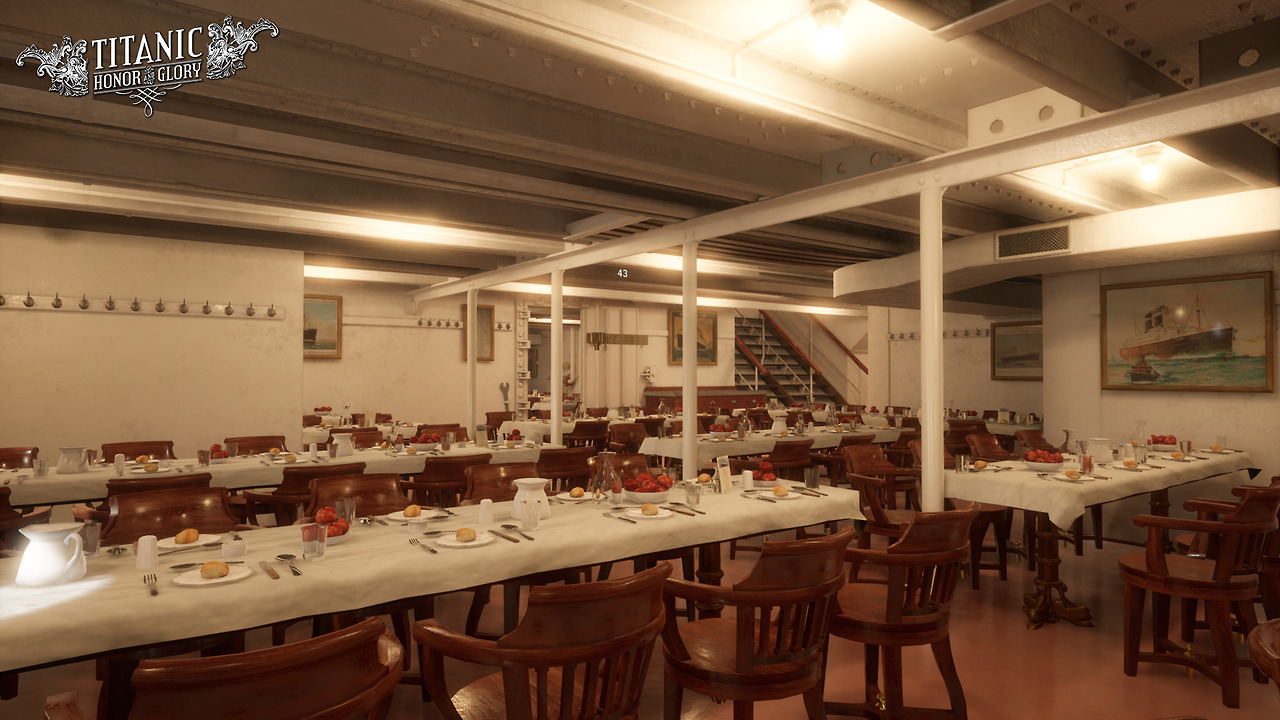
1009,672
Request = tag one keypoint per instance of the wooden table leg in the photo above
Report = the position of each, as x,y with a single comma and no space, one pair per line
1040,605
1160,506
709,572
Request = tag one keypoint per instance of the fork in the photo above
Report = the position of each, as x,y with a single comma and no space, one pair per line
414,542
150,580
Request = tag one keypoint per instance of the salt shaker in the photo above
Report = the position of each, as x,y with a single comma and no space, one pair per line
119,462
486,511
148,553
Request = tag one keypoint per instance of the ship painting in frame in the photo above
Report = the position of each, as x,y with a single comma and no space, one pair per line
1207,334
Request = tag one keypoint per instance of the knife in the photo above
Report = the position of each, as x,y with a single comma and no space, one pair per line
682,511
270,571
807,491
759,497
504,536
193,547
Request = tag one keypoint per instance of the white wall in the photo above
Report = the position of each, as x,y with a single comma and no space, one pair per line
90,378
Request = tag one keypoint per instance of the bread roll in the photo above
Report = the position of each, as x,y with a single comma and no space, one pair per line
186,537
648,509
214,569
979,464
1216,448
151,467
465,535
1072,474
1130,463
412,511
577,492
274,451
1176,455
704,478
291,458
411,451
142,459
780,491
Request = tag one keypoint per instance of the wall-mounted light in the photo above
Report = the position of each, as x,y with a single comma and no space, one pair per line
1149,156
828,14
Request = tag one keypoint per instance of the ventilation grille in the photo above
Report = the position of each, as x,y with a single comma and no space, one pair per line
1041,241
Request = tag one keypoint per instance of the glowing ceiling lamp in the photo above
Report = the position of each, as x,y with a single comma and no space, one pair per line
1149,156
827,14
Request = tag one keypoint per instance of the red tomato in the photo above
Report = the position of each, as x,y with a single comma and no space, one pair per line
332,530
642,477
649,486
769,477
766,466
665,482
631,484
341,524
326,515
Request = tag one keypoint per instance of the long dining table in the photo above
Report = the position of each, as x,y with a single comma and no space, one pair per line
241,472
110,609
1060,501
709,447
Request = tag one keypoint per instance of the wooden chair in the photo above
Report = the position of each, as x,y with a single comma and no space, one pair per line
443,479
878,502
773,644
167,512
652,425
899,451
18,457
495,482
11,520
357,419
293,491
1227,582
1034,440
954,441
579,651
911,607
459,432
255,444
598,412
626,465
990,415
350,673
985,446
119,486
156,449
566,468
871,460
311,420
626,437
375,493
588,433
362,438
789,459
677,426
833,458
381,418
1264,648
493,421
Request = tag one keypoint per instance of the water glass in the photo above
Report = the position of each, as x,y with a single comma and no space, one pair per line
313,540
91,455
346,509
962,463
41,466
1140,454
91,530
1185,446
446,441
1086,463
530,514
333,449
811,478
202,457
233,449
1222,441
692,493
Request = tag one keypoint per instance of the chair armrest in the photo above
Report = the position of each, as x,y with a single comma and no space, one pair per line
1209,507
1172,523
441,640
62,707
85,511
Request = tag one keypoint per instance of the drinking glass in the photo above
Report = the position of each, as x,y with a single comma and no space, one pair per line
313,540
202,457
1140,454
446,441
1222,441
90,530
233,449
1086,463
530,514
333,449
962,463
41,466
91,455
811,478
346,509
1185,446
692,493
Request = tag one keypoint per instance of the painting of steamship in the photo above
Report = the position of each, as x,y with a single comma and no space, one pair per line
1196,334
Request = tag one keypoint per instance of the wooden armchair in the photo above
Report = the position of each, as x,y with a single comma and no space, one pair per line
912,606
833,458
18,457
493,421
443,480
118,486
1264,648
773,644
256,444
954,441
598,412
588,433
652,425
626,437
155,449
381,418
788,457
167,512
11,520
1226,583
580,651
899,451
567,468
871,460
985,446
1034,440
375,493
677,426
357,419
495,482
350,673
293,491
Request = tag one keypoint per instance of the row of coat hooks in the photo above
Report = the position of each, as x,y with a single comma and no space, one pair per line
433,323
87,304
975,333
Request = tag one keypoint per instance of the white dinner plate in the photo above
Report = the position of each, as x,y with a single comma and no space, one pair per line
399,515
566,497
286,462
482,538
1063,476
639,514
168,543
191,578
143,471
788,496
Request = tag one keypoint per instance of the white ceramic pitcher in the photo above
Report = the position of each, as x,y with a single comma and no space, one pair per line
343,441
54,556
531,490
73,460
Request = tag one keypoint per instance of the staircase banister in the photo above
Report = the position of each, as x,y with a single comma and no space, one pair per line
790,343
751,356
841,345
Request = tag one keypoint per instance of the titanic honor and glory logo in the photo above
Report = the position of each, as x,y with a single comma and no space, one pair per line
146,67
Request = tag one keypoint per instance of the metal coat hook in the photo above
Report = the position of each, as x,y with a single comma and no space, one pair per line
57,301
207,308
228,309
135,305
160,305
271,311
111,303
183,307
29,301
84,302
250,311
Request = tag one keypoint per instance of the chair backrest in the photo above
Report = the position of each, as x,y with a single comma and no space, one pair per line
375,493
990,414
167,512
451,468
652,425
143,483
495,482
357,419
678,426
875,495
626,465
866,459
494,419
362,437
785,605
849,440
1238,545
916,445
348,673
986,446
311,420
627,437
381,418
791,454
297,478
958,429
568,467
18,457
254,444
594,433
156,449
1034,440
598,412
909,422
905,437
11,519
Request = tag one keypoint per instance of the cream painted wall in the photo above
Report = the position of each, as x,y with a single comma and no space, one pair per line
415,373
653,322
86,379
1073,398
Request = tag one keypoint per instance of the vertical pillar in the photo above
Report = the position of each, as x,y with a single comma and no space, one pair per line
689,396
933,478
557,356
470,340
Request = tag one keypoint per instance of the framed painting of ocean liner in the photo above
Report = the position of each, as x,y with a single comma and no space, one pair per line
1209,334
1017,351
322,327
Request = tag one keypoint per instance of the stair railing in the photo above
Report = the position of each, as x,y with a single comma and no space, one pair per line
827,352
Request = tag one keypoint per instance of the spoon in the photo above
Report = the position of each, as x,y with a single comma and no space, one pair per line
523,534
289,559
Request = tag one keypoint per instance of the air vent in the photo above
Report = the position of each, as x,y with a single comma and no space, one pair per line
1027,243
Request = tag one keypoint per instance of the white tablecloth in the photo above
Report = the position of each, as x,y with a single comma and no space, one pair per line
756,443
110,609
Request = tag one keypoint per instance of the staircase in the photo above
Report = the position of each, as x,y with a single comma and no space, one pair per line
768,360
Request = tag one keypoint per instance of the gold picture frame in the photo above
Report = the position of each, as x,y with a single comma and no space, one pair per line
322,327
484,340
708,342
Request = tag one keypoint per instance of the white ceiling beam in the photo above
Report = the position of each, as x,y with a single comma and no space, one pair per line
780,303
602,222
1226,103
986,18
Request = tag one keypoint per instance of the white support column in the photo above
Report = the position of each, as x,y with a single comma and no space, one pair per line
557,356
933,480
689,397
471,362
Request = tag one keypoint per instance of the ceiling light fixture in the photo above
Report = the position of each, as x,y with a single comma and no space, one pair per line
827,14
1149,156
